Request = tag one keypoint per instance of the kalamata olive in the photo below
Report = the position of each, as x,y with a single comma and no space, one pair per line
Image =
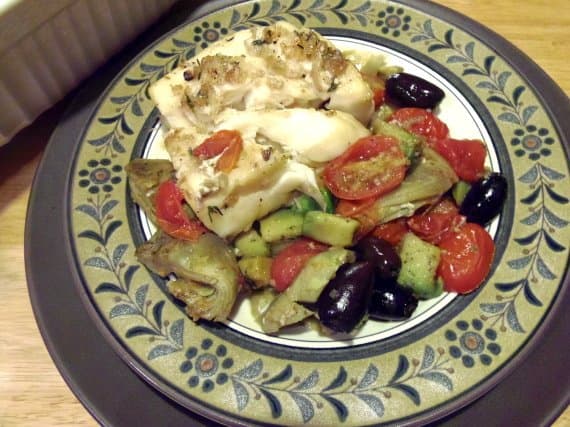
485,199
343,303
390,301
380,253
408,90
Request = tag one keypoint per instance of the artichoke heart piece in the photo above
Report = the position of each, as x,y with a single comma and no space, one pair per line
145,176
425,184
207,273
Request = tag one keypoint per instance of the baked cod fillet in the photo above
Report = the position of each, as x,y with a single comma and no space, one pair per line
272,67
296,102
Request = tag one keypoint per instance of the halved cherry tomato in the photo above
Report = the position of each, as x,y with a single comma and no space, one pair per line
372,166
466,258
228,143
170,215
288,263
420,122
352,208
466,157
392,231
435,223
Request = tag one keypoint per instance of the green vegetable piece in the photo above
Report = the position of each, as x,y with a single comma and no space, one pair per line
459,191
410,144
305,203
257,270
334,230
250,244
329,200
280,225
282,312
383,113
419,264
318,271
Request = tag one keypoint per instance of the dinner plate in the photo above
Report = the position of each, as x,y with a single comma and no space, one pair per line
457,352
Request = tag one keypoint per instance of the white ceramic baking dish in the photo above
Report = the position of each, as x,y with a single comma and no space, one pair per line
48,46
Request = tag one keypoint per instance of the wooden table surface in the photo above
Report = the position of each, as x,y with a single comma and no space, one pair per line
32,393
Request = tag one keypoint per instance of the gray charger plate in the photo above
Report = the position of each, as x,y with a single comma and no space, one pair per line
115,395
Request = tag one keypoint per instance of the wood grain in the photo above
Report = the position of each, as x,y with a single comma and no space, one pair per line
32,392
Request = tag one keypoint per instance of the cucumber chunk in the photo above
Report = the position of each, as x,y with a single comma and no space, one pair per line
318,271
334,230
459,191
281,224
419,264
257,270
250,244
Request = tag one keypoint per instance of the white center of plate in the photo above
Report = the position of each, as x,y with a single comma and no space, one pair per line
463,123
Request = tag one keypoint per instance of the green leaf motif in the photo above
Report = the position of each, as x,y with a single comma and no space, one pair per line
119,252
128,276
88,210
241,394
429,357
338,381
251,371
520,263
113,226
273,401
438,378
513,320
543,269
157,313
176,332
401,370
108,287
493,308
373,402
98,262
409,392
339,407
309,382
530,297
369,377
140,296
90,234
161,350
284,375
122,310
305,406
137,331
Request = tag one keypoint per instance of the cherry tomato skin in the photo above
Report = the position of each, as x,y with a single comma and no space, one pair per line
352,208
227,144
392,231
420,122
288,263
372,166
466,258
170,215
466,157
434,224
